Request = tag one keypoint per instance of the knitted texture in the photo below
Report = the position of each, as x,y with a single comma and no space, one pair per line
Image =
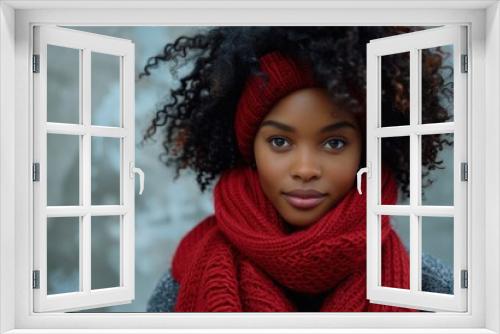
437,276
241,258
285,76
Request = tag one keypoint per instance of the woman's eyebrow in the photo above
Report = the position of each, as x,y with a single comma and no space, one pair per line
328,128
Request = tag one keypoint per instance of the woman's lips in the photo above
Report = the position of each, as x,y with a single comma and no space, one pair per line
304,202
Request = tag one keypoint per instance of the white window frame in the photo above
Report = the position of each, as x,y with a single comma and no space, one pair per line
413,43
16,217
85,43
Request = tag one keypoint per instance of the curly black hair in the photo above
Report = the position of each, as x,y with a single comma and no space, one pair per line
198,118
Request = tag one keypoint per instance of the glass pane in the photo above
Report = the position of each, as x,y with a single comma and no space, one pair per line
437,253
395,89
105,171
63,169
105,252
105,89
437,84
401,225
63,84
63,247
395,152
395,257
437,179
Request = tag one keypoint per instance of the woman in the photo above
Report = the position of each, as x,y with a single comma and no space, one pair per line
278,113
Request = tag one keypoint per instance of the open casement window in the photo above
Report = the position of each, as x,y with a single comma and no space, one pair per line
101,155
418,212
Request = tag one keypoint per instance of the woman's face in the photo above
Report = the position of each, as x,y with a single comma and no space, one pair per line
307,152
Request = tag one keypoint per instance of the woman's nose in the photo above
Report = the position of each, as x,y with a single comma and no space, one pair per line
305,166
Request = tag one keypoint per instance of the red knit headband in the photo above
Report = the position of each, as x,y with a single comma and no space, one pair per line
286,75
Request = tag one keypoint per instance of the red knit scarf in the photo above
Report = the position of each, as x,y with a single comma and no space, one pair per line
241,258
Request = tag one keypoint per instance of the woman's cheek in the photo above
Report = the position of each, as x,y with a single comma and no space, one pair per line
274,168
349,171
340,172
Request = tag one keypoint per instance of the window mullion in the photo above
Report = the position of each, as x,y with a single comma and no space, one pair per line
79,129
85,241
415,230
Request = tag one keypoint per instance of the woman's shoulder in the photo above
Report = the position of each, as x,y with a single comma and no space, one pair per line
164,295
437,276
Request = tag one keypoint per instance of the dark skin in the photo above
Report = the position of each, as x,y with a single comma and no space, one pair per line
307,142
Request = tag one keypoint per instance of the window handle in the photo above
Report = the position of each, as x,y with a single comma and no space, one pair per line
359,173
133,171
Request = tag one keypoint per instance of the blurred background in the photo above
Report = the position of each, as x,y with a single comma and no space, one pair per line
167,209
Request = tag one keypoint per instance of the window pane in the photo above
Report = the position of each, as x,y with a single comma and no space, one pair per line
395,257
105,171
63,244
437,181
401,225
437,253
105,89
63,84
395,89
395,152
105,252
437,71
63,169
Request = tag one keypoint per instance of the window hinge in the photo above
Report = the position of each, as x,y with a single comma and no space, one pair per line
36,63
464,64
36,279
464,171
464,279
36,171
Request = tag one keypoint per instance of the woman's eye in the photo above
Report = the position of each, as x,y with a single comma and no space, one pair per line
278,142
336,144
